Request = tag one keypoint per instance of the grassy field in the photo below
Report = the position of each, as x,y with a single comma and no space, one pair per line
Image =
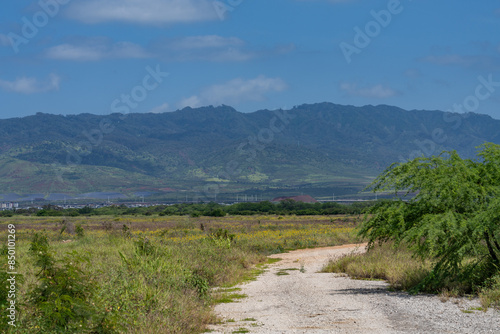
151,274
403,271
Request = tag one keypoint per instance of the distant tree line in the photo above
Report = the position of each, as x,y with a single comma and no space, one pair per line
212,209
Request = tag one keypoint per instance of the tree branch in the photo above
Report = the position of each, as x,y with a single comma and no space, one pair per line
490,248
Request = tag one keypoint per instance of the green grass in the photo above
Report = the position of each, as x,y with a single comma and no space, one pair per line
228,298
159,275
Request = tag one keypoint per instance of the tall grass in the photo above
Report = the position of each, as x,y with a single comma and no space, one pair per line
403,271
397,266
154,275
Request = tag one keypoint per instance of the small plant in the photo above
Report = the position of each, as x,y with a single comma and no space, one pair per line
144,246
490,295
198,282
62,296
108,226
222,238
80,232
126,231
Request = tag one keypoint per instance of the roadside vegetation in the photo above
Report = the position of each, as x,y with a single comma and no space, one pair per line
212,209
444,239
136,274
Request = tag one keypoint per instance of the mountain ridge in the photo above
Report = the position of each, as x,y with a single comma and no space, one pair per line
313,145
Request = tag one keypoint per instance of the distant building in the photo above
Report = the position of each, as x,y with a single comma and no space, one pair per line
301,198
9,206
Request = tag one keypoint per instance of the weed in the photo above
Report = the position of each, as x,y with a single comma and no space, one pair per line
229,298
80,232
144,246
398,267
61,298
107,226
490,294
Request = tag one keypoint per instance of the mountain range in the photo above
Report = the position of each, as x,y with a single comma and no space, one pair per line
209,151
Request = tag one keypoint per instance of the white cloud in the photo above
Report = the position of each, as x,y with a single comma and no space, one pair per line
203,42
159,109
192,48
143,11
206,48
235,91
27,85
377,91
93,49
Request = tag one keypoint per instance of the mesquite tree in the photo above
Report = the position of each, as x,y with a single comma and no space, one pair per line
450,213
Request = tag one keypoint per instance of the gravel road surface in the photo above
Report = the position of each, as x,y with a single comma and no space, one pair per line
293,297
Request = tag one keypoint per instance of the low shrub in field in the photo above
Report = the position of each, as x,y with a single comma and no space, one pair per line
397,266
61,300
490,295
138,278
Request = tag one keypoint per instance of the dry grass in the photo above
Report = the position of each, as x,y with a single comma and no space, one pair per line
167,289
490,296
396,266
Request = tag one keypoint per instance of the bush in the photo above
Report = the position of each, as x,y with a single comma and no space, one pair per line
80,232
61,299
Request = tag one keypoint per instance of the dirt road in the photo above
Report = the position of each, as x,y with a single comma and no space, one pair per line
292,297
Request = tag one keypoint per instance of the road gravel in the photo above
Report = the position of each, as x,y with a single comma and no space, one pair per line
291,296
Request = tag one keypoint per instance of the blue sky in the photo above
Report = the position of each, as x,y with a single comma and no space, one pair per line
102,56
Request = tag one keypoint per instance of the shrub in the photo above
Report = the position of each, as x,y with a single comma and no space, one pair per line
61,299
80,232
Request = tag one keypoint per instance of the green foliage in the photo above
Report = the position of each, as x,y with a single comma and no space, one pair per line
80,232
287,207
4,294
198,282
61,299
144,246
221,237
6,213
52,213
139,155
453,217
147,281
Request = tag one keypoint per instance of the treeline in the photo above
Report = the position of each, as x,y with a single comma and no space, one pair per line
212,209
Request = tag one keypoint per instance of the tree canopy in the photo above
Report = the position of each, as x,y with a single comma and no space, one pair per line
450,213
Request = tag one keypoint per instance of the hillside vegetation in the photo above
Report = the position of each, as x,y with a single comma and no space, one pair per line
219,150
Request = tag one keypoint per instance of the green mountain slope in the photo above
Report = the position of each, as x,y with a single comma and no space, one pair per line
319,145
